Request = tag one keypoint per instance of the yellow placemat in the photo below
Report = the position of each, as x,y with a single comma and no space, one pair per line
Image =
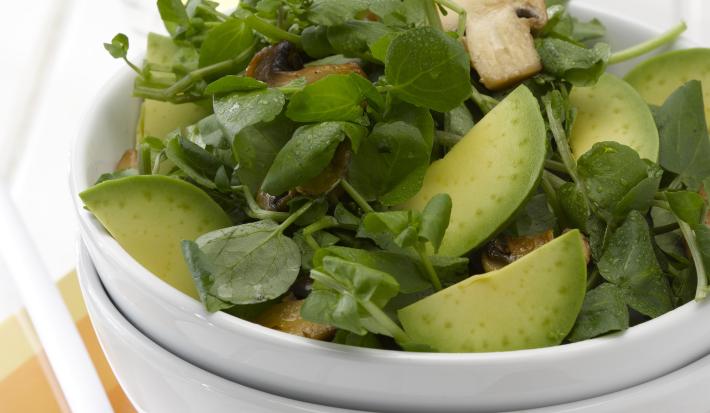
27,383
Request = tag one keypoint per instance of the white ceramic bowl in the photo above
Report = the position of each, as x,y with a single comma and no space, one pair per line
157,381
361,378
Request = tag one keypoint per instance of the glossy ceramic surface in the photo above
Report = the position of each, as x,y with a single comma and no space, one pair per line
359,378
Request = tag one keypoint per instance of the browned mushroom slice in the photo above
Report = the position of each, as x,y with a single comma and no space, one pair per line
499,39
331,175
281,63
129,160
273,202
505,249
286,317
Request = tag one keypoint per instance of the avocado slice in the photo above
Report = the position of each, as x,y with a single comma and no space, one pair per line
612,110
149,215
657,78
160,118
490,173
530,303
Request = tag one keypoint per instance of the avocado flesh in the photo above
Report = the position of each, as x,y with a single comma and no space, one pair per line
149,215
530,303
158,118
612,110
489,174
657,78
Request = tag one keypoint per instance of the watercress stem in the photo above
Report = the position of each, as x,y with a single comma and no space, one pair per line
555,166
132,66
355,195
293,217
676,184
271,31
432,14
323,223
453,6
396,331
649,46
701,290
428,266
484,102
553,180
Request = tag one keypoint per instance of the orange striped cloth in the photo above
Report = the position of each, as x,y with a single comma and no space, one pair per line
27,383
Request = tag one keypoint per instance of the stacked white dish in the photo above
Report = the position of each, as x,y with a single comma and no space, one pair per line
206,360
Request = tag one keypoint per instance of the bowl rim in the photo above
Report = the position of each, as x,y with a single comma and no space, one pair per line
91,228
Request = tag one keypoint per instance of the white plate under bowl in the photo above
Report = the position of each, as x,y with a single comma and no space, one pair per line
361,378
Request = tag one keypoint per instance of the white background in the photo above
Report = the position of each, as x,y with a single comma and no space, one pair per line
53,63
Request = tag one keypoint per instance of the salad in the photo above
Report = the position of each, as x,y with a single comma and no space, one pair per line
423,175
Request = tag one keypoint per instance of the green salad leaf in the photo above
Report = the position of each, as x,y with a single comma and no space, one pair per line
604,311
238,110
226,41
333,98
233,83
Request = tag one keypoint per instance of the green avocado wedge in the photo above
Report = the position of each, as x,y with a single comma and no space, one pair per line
530,303
149,215
612,110
657,78
489,174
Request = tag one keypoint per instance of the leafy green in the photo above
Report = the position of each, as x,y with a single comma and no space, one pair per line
685,146
118,48
333,98
315,42
225,42
458,120
174,16
331,12
617,181
577,64
604,311
355,38
686,205
535,218
256,146
427,68
393,159
195,162
238,110
233,83
435,219
245,264
630,263
307,154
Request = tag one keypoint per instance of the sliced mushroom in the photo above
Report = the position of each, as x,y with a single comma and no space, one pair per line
273,202
281,63
331,175
286,317
499,39
505,250
129,160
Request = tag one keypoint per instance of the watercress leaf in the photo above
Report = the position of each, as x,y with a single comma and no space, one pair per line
435,219
333,98
368,340
393,222
318,210
116,175
534,218
427,68
304,157
640,197
685,146
252,263
233,83
702,240
577,64
374,99
354,38
686,205
364,283
255,147
458,121
604,311
174,16
315,42
118,48
683,284
378,48
585,31
393,159
227,41
322,238
337,59
202,270
630,263
331,12
346,218
609,171
406,269
329,307
238,110
193,161
573,205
